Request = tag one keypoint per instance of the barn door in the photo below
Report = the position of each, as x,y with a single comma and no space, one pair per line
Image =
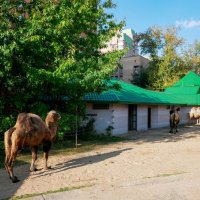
132,117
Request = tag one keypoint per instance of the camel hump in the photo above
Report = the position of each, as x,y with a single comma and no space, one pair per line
22,117
27,121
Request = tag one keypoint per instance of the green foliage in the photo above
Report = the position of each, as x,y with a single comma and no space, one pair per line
67,124
191,57
84,131
109,130
2,151
50,50
166,65
88,130
150,41
5,124
140,78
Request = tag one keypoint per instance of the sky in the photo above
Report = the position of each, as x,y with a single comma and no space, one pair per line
142,14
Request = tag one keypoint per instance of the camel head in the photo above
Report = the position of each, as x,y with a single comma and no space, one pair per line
52,117
51,122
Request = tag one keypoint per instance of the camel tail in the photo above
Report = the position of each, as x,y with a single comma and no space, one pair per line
8,142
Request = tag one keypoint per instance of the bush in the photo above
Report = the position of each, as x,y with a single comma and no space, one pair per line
67,125
40,109
2,149
84,130
109,130
5,124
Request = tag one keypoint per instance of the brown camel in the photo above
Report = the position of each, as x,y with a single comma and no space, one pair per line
30,131
174,120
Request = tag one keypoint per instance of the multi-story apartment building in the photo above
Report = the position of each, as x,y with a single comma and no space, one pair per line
131,62
121,40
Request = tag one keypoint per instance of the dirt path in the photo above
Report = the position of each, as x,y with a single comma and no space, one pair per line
152,155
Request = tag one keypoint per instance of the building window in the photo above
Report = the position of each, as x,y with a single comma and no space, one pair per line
100,106
136,69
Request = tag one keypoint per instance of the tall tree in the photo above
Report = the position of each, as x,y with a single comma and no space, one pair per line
52,49
191,57
166,64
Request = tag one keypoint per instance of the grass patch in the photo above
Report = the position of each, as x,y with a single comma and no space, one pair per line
165,175
49,192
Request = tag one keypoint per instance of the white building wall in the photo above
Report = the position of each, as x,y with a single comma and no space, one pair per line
120,119
154,116
184,115
117,116
103,117
163,117
142,118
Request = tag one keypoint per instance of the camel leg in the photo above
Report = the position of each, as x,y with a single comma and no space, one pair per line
34,158
176,129
6,164
11,164
46,149
8,146
46,155
171,129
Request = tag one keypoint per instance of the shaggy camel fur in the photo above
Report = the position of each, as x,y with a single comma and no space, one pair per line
30,131
195,113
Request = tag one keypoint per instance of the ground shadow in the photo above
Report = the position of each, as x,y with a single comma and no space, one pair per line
79,162
7,188
163,135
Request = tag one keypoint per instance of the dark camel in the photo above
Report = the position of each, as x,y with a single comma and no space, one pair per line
30,131
174,120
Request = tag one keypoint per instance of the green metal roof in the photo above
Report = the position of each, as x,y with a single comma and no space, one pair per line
183,90
131,94
103,97
190,79
187,88
190,100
